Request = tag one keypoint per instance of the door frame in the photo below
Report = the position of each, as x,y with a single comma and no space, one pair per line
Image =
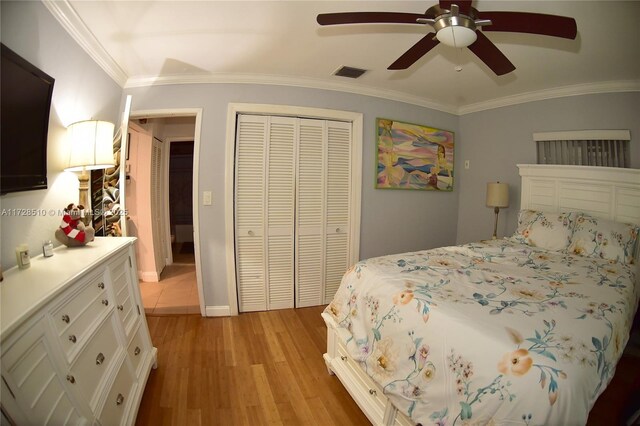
197,113
356,120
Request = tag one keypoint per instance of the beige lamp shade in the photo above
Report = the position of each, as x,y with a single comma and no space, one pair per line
497,194
91,145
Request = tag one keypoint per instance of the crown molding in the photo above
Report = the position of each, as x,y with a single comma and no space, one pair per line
239,78
71,22
540,95
557,92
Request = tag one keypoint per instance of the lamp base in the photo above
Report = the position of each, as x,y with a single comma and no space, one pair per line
495,224
83,195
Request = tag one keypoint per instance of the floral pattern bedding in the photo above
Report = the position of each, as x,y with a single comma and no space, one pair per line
496,332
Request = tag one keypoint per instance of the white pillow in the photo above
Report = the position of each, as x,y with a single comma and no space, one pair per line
551,231
603,238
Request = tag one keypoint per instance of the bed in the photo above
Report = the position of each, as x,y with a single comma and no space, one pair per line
521,330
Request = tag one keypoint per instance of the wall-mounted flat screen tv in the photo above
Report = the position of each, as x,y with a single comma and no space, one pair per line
25,99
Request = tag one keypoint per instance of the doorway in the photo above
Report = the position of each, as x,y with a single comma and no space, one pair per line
181,202
177,287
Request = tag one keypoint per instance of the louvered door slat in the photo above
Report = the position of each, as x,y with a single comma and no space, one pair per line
280,267
336,264
339,139
250,212
280,211
338,196
310,213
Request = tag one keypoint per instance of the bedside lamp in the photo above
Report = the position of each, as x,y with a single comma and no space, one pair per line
497,197
90,148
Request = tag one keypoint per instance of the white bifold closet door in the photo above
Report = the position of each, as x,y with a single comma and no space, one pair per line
291,210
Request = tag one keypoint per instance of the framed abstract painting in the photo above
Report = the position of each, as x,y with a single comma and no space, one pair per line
412,156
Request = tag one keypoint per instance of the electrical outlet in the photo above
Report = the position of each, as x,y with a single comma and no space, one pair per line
467,164
206,198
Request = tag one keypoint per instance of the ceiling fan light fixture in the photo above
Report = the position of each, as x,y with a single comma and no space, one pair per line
456,36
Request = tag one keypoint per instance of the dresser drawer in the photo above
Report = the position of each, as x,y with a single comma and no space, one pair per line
96,360
120,271
30,374
80,310
138,350
119,398
374,394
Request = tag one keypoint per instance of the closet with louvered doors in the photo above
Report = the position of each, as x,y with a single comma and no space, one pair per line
292,191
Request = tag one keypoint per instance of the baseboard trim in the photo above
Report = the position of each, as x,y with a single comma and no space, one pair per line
149,277
217,311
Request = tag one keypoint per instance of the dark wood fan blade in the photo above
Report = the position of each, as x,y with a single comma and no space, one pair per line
416,52
531,23
484,49
463,5
368,18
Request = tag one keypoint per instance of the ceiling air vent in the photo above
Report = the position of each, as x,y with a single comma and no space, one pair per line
349,72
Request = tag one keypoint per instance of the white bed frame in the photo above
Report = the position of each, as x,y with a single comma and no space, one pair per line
605,192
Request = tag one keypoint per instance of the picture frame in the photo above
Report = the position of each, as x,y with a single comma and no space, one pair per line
413,156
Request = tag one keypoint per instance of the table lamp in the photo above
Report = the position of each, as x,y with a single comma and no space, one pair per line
90,148
497,197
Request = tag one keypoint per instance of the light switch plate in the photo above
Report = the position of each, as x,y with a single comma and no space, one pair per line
206,198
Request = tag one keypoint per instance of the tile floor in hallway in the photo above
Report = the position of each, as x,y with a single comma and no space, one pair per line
176,293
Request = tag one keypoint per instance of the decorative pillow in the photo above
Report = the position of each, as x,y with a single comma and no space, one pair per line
551,231
604,238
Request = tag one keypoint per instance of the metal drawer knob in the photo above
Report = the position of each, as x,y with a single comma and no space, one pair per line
373,392
120,308
72,338
344,358
71,379
65,318
119,399
136,351
99,359
101,286
105,302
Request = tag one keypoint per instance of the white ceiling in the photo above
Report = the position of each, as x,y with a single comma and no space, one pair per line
279,42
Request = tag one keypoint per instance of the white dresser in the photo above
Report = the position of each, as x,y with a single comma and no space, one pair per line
75,343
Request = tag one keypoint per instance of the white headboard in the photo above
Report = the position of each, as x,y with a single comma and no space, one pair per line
606,192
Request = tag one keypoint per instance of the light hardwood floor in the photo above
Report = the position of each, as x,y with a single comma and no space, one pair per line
253,369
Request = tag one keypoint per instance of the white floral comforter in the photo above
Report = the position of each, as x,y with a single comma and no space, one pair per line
494,332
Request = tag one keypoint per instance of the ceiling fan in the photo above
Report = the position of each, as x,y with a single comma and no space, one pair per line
456,24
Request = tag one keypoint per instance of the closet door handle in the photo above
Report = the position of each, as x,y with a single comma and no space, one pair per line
72,338
99,359
337,229
65,318
251,233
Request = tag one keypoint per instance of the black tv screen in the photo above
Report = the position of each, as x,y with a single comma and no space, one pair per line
25,99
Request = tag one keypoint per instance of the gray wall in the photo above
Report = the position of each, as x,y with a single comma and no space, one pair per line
392,220
496,140
81,91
